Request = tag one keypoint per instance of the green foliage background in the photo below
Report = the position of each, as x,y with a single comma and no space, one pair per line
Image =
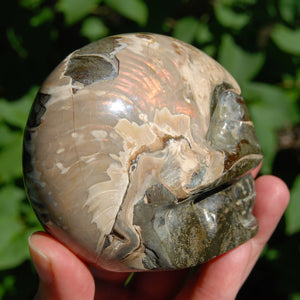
257,41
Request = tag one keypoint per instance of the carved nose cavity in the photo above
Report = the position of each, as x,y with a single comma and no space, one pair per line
135,155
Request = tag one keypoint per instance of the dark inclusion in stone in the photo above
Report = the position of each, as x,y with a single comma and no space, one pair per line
34,121
94,62
38,109
89,69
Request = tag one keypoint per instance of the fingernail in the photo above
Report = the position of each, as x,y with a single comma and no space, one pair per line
40,260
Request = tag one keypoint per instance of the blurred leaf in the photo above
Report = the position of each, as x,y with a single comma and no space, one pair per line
203,34
11,161
229,18
235,2
295,296
9,226
10,200
7,135
7,284
270,109
286,39
292,214
272,254
189,29
31,3
289,9
45,15
241,64
135,10
186,29
14,250
15,41
16,112
75,10
271,9
93,28
282,110
30,216
266,135
210,50
13,241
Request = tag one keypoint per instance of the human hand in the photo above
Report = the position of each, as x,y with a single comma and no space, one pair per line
64,276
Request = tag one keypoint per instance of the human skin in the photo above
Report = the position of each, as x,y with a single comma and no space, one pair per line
64,276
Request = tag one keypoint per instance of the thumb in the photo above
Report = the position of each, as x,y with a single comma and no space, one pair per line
62,274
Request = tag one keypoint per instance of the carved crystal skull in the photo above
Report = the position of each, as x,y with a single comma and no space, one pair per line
137,155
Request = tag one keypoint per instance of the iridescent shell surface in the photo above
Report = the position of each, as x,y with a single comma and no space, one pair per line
137,154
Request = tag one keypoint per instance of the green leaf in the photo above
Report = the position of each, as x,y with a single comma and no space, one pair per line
75,10
31,218
135,10
9,227
11,161
16,112
45,15
272,254
31,4
10,200
286,39
7,135
16,42
16,250
289,9
295,296
210,50
7,284
266,135
186,29
292,214
229,18
13,241
271,109
281,109
241,64
286,9
203,34
234,2
93,28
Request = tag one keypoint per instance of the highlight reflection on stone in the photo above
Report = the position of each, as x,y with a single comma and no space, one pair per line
137,154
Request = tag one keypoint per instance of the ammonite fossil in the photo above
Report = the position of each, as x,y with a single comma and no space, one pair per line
137,155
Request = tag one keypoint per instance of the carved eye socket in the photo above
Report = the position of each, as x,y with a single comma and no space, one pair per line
217,94
231,130
228,114
228,105
233,106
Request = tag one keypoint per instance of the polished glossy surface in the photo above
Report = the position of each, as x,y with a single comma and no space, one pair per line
134,155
